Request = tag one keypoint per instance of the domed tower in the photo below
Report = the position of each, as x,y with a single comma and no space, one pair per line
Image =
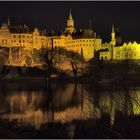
70,24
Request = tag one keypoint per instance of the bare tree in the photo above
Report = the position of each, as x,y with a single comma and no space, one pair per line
76,62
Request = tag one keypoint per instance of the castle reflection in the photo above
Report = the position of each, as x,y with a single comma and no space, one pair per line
66,103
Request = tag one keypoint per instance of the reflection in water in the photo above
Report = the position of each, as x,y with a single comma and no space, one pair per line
66,103
32,107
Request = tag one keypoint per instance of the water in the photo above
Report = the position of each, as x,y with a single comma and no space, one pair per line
35,104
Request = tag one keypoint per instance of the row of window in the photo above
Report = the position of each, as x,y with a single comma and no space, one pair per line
23,41
81,45
23,36
72,43
77,45
119,56
75,41
26,40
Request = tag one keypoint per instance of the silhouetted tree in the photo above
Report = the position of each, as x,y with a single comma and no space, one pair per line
51,57
76,62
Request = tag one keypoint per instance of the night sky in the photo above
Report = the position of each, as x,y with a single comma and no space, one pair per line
53,15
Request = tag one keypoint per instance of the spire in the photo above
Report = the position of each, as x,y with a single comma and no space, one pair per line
8,21
70,16
113,31
90,24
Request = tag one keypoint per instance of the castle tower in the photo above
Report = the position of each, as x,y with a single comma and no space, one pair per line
70,24
118,37
113,39
8,21
113,34
112,42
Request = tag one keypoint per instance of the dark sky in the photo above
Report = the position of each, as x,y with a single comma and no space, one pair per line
53,15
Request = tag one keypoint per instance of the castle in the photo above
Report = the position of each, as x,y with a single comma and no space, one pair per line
17,43
116,50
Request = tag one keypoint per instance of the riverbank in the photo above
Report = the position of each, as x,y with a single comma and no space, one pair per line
78,80
36,75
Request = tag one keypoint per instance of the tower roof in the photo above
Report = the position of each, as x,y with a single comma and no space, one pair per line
70,16
113,31
8,21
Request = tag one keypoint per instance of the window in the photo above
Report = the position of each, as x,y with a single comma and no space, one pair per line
14,36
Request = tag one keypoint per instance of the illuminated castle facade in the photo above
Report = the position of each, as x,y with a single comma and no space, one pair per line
115,50
18,42
83,40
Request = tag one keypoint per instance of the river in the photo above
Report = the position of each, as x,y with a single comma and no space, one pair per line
35,105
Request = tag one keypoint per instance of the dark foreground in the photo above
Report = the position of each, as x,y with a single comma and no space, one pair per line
124,127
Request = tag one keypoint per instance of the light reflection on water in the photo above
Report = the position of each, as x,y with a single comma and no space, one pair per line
65,103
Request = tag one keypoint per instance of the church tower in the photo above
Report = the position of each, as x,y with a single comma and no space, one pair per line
70,24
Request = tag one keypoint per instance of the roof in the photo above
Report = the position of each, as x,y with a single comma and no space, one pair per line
103,50
19,29
24,29
86,33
